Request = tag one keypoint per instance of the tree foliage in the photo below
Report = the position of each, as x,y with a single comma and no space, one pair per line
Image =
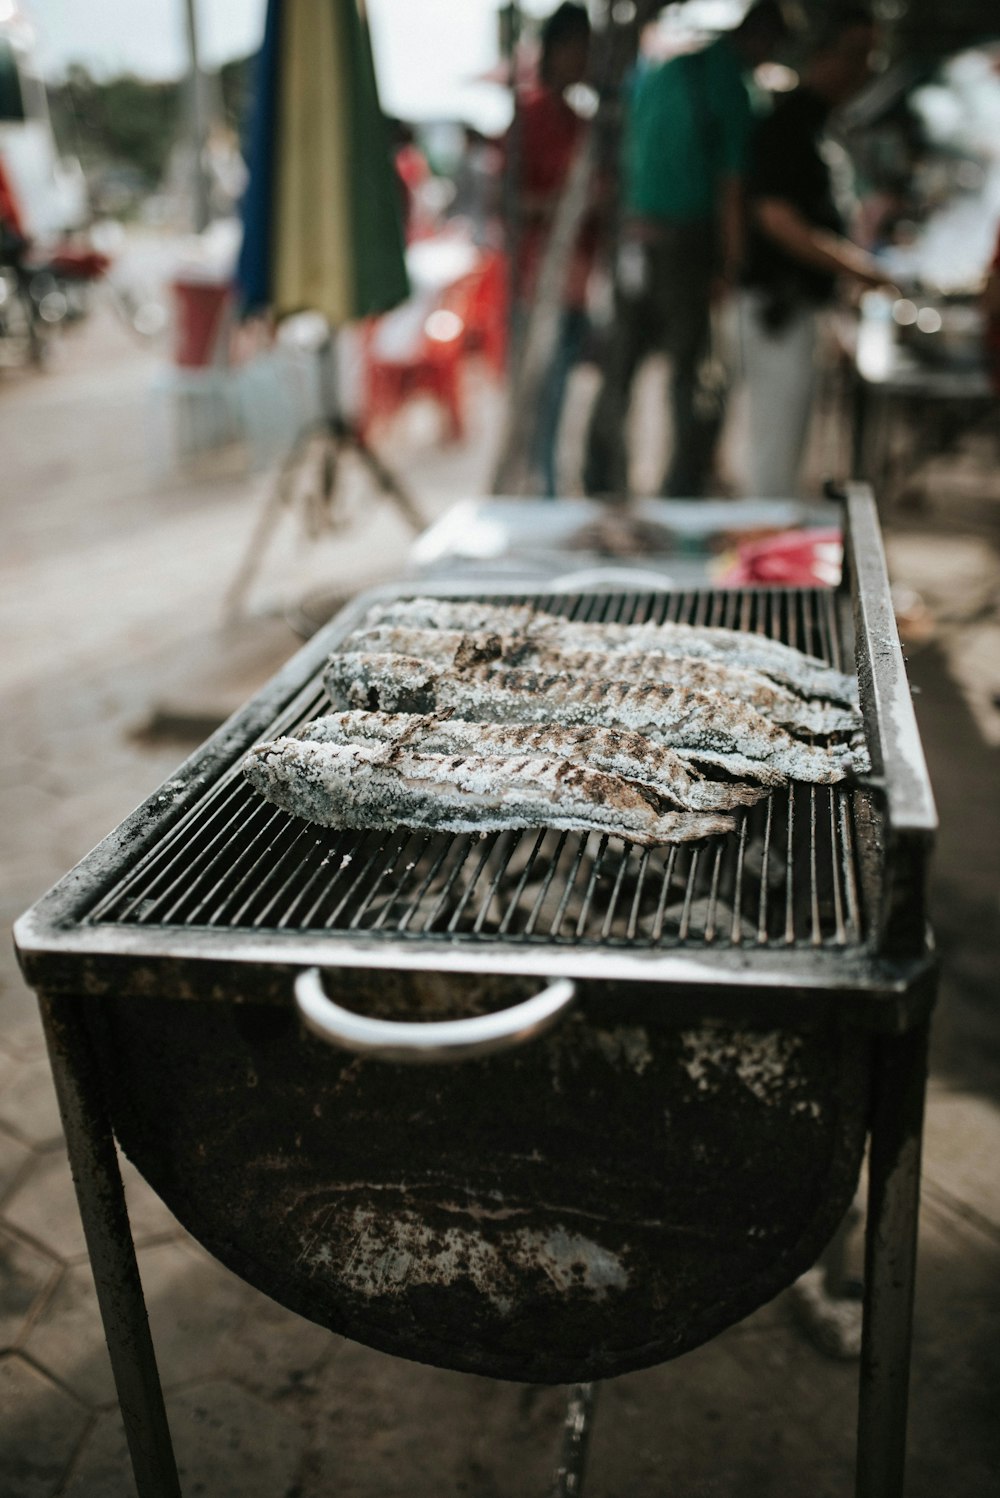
124,121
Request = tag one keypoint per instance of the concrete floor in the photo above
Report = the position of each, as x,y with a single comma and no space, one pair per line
117,660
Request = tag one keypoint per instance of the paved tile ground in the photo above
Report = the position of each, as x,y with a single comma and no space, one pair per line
110,606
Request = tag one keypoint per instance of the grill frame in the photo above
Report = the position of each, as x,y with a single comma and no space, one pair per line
884,982
884,988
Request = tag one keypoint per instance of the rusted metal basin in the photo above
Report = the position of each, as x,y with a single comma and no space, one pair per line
602,1199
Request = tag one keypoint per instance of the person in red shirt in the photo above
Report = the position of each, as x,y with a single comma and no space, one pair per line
548,134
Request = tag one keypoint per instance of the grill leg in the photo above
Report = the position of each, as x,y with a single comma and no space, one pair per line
101,1200
890,1262
568,1482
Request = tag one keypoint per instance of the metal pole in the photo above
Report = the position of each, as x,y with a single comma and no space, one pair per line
199,121
579,1420
890,1262
509,19
101,1200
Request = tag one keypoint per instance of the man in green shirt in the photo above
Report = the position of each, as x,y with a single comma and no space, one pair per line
686,148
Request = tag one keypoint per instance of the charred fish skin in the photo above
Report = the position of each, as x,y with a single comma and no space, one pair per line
805,674
626,755
779,704
466,652
678,717
386,787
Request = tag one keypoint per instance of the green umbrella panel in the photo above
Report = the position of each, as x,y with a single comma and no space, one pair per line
336,239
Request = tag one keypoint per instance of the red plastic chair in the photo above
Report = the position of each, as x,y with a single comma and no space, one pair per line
487,318
433,368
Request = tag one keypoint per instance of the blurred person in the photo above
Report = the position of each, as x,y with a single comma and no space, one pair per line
549,133
13,236
226,169
478,185
991,316
797,250
686,149
413,174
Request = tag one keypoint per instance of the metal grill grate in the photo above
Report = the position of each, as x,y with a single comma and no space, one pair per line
788,877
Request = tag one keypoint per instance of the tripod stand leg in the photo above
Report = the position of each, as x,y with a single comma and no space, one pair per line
383,476
336,435
276,501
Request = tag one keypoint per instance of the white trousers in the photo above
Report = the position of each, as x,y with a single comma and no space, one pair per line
780,374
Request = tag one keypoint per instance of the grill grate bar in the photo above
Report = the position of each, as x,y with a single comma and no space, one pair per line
849,865
595,874
840,932
668,879
765,857
736,934
560,915
214,856
790,869
460,848
226,879
354,884
623,863
175,855
506,843
817,936
713,896
399,841
411,844
316,887
689,895
287,860
547,879
488,844
640,880
515,900
433,871
262,850
174,852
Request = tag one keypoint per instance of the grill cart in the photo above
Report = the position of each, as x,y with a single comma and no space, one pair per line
666,1062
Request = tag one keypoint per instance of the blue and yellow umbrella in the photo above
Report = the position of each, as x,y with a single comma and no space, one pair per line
322,214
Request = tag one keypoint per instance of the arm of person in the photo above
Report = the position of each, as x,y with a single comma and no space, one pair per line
732,227
782,222
991,289
735,124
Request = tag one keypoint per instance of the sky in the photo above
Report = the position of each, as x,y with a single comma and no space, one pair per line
425,50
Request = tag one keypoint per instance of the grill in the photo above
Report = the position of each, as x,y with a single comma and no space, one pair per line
747,1009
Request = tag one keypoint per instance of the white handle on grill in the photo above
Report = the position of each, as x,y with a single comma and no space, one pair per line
437,1040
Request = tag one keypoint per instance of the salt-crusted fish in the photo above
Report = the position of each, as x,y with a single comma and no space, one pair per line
626,755
452,647
386,786
676,716
805,674
445,613
777,703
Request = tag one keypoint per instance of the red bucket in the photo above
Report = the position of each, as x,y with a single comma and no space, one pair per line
200,309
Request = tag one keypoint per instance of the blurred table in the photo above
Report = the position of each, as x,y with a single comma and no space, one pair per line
582,543
907,409
573,545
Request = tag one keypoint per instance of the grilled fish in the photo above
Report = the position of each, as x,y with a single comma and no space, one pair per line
386,786
451,647
628,756
676,716
805,674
